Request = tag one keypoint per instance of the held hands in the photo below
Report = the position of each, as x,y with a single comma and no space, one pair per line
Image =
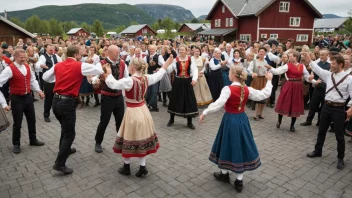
193,83
349,114
107,69
268,75
44,66
41,94
200,74
268,67
7,108
311,77
201,118
254,75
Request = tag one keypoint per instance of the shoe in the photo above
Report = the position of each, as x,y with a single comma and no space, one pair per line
170,123
306,123
63,169
125,170
313,154
16,149
238,185
222,177
81,106
278,125
142,171
272,105
255,118
47,119
292,129
260,117
165,103
73,150
154,109
340,164
191,126
36,143
96,104
98,148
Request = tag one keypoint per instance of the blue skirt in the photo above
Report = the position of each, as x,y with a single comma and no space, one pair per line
225,77
234,148
86,88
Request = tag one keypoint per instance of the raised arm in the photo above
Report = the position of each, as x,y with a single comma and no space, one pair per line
258,95
91,70
279,70
220,102
49,76
156,77
322,73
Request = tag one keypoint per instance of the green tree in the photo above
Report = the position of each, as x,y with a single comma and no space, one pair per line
134,23
194,20
156,26
55,28
85,26
177,26
34,24
97,28
348,23
45,27
167,24
17,22
120,28
68,25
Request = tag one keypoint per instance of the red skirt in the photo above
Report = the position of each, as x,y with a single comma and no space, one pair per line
290,102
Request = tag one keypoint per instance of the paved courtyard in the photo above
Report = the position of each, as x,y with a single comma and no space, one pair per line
179,169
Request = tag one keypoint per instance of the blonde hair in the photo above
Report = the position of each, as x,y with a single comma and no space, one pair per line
140,65
242,76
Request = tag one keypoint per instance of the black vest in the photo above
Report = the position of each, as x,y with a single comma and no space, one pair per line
151,69
115,71
48,62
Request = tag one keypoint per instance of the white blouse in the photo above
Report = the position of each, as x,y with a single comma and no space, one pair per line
283,69
193,70
256,95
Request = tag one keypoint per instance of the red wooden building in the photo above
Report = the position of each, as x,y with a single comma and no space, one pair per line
137,30
194,27
79,32
10,32
252,20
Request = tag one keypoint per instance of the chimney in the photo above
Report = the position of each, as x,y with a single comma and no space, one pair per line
5,14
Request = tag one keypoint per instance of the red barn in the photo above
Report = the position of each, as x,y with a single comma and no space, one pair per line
252,20
79,32
10,32
136,30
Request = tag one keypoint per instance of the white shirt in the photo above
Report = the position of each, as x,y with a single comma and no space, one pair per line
193,73
7,74
3,65
86,70
95,78
227,58
213,66
127,83
273,57
255,95
260,65
42,61
345,87
283,69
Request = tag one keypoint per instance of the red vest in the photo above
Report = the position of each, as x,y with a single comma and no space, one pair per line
7,60
20,84
135,96
232,104
69,77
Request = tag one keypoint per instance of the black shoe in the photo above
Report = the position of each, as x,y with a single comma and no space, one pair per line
170,123
272,105
313,154
340,164
191,126
292,129
98,148
278,125
253,105
47,119
306,123
36,143
96,104
142,171
16,149
125,170
63,169
238,185
73,150
154,109
222,177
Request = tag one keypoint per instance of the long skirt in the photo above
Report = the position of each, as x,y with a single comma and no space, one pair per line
136,136
259,84
183,101
290,102
86,88
165,84
202,92
225,77
234,148
215,83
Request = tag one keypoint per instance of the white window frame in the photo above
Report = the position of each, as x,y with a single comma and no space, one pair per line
294,24
282,6
223,9
216,23
231,22
219,22
264,35
145,31
274,36
305,38
227,22
245,37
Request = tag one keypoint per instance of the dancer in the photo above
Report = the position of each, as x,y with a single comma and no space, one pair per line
136,136
234,148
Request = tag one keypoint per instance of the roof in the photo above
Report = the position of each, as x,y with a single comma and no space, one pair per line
17,27
251,7
217,32
329,23
135,28
75,30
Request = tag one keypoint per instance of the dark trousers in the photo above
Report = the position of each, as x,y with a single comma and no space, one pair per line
5,91
152,95
22,105
49,94
275,83
65,112
316,104
109,105
332,114
41,81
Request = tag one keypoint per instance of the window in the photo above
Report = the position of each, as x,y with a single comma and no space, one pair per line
274,36
219,23
144,31
216,23
245,37
302,38
295,21
227,22
284,6
263,36
223,9
231,22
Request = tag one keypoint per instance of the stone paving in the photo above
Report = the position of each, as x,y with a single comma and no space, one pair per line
180,168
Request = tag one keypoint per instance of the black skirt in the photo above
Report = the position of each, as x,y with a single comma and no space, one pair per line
215,83
183,101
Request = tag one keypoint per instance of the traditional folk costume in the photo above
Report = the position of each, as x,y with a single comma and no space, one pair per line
152,92
215,79
201,89
165,83
136,136
234,148
225,70
183,101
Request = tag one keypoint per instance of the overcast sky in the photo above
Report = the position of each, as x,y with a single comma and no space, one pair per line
338,7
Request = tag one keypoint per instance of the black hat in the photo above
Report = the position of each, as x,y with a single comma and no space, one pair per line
4,46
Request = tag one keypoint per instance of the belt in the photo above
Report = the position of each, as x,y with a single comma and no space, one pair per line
335,104
109,93
182,76
20,95
294,79
65,97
